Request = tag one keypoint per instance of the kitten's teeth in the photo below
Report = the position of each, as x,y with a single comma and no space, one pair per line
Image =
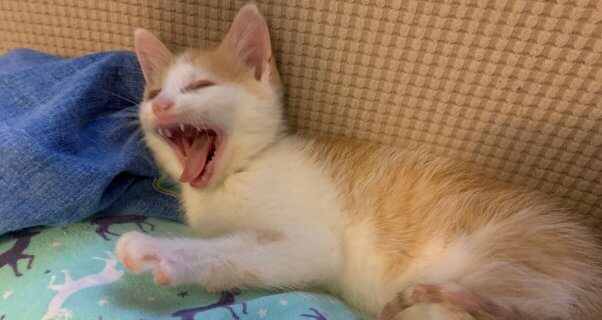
181,127
168,133
160,131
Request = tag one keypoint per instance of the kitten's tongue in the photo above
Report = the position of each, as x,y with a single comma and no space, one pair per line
195,157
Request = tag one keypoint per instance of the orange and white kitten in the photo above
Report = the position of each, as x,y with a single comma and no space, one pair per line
397,234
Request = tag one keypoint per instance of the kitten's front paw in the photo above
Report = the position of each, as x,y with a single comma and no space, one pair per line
138,252
141,253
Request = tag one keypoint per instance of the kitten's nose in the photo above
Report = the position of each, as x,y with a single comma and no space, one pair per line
161,105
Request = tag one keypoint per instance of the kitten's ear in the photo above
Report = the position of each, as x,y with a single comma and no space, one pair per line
153,55
249,40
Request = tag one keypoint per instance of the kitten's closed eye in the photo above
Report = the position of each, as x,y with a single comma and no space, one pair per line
152,93
198,84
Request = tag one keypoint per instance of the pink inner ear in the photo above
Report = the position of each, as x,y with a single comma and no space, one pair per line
258,54
152,55
249,38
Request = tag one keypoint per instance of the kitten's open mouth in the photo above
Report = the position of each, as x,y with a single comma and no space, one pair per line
197,149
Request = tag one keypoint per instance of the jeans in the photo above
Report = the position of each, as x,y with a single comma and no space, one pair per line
69,144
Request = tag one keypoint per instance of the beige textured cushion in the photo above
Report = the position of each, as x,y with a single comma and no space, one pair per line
512,86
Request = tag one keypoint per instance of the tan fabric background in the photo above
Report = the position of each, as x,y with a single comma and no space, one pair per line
512,86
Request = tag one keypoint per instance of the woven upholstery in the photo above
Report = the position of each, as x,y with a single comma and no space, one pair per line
511,86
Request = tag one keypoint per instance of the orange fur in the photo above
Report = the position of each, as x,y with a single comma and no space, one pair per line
522,247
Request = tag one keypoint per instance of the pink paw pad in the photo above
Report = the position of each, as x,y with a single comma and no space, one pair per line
138,252
128,263
161,278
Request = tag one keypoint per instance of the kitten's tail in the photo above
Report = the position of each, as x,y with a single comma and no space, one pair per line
455,296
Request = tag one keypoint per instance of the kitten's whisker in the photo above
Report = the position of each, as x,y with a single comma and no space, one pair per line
108,112
135,134
123,115
130,124
118,107
126,119
122,96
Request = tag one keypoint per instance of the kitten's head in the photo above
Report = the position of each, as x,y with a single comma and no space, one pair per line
206,113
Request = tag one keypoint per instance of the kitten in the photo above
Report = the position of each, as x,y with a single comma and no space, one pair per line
396,234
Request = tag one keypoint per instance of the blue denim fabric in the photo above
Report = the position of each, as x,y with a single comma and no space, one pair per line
68,146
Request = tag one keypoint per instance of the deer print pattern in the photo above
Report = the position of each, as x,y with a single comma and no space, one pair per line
105,222
108,274
315,314
16,252
226,301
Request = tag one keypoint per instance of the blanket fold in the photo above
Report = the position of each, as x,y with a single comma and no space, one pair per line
69,143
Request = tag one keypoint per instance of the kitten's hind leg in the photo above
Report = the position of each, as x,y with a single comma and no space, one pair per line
457,297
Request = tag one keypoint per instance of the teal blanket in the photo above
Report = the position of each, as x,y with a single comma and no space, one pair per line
70,273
